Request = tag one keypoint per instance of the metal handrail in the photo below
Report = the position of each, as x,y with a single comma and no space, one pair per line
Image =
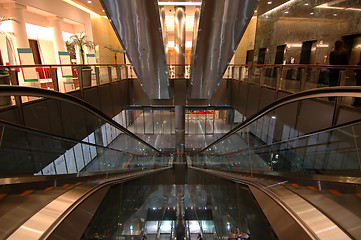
57,137
328,129
38,92
352,91
74,198
298,65
280,201
179,65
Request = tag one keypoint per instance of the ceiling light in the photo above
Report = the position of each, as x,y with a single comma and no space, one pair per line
335,14
255,10
270,2
103,10
312,13
80,7
280,6
180,3
89,1
286,12
306,4
329,6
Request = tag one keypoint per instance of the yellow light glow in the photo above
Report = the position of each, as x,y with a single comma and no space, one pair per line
6,27
322,45
326,6
294,45
171,44
179,3
81,7
38,32
279,7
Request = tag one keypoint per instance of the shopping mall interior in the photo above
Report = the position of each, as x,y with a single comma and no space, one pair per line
185,119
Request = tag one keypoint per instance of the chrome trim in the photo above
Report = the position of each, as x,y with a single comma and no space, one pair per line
197,13
353,91
221,27
38,92
314,222
164,30
137,25
43,223
180,40
324,130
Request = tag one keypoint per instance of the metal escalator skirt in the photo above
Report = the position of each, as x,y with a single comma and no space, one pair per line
137,26
221,27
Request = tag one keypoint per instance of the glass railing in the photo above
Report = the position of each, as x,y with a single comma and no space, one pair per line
87,130
27,152
288,78
292,77
64,78
334,152
283,138
68,116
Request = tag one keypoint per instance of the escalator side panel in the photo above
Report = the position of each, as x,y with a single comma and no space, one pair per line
76,222
282,223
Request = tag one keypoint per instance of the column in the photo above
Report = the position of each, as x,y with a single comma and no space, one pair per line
16,11
197,13
180,223
179,44
164,32
59,45
180,132
179,39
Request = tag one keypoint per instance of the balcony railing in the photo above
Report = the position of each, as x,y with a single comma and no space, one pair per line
289,78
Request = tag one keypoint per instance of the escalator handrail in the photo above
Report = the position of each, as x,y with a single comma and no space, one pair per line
280,202
344,91
71,200
61,138
38,92
324,130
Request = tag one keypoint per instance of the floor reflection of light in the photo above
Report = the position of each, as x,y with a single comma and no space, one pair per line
194,227
166,227
151,226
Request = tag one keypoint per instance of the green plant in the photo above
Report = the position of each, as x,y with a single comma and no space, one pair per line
3,71
115,51
79,40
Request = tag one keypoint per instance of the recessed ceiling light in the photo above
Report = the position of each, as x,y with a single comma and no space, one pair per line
270,2
306,4
286,12
312,13
103,10
255,10
335,14
89,1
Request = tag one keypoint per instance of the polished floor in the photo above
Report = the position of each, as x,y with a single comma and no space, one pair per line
158,130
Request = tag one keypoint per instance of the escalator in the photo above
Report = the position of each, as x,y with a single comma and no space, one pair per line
247,182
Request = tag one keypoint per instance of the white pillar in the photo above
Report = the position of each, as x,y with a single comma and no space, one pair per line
59,45
16,11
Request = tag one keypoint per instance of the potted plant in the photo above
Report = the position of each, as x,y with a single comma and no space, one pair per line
4,74
4,79
80,41
115,51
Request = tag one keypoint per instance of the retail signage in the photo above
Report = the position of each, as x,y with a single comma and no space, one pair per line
26,58
64,59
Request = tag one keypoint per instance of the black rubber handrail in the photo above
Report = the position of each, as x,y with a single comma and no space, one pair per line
324,130
349,91
57,137
38,92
